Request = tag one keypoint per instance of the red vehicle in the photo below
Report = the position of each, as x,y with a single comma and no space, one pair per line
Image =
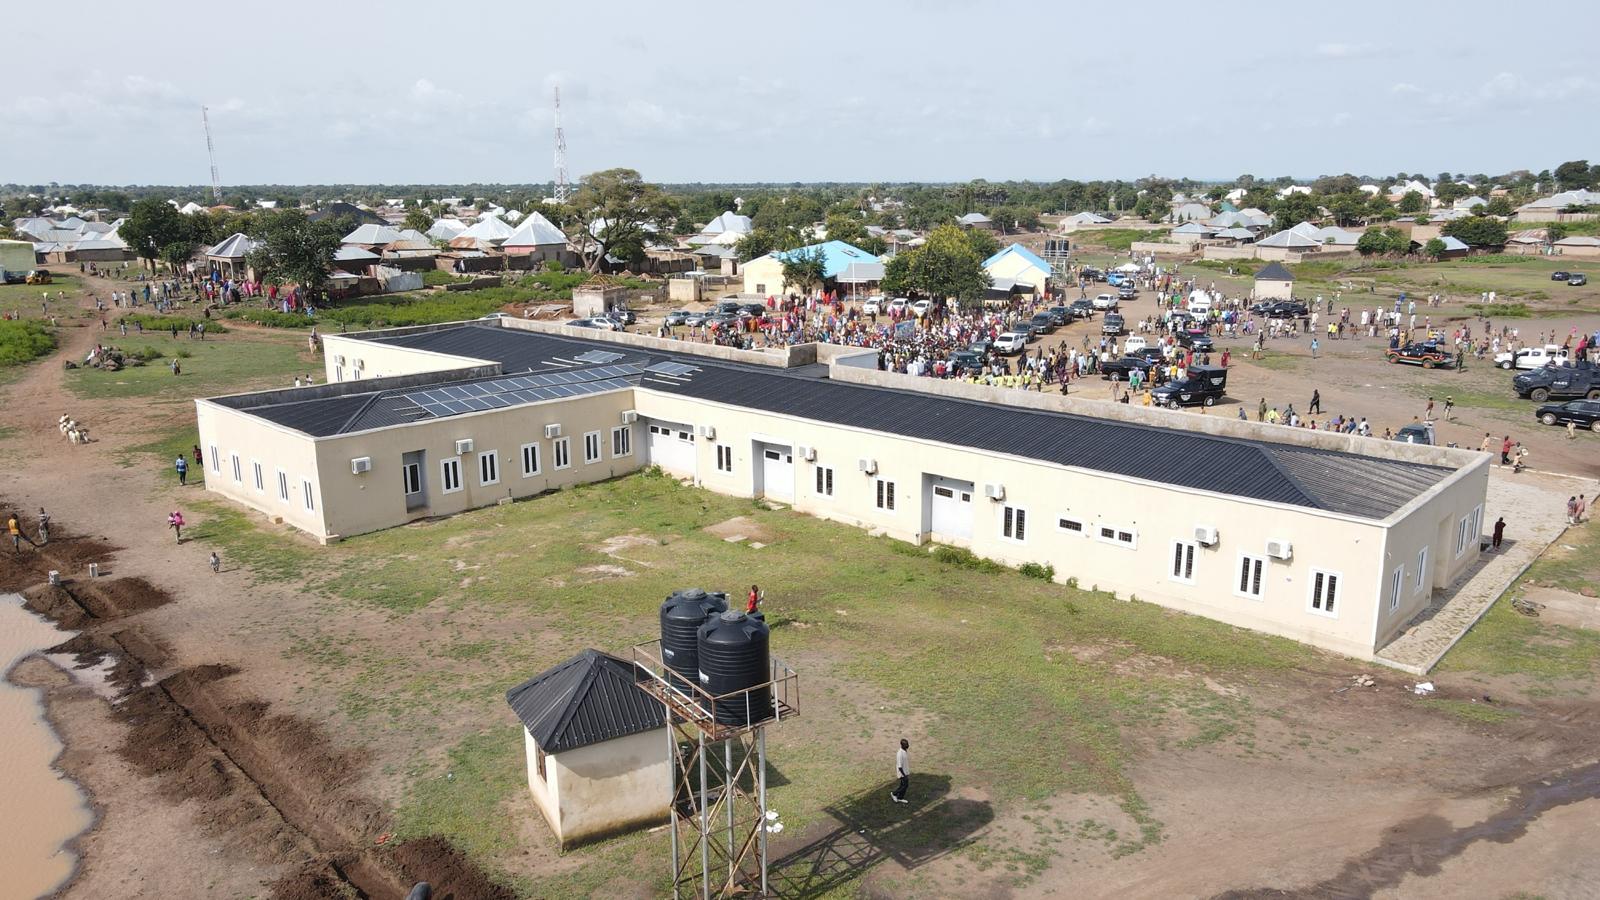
1427,356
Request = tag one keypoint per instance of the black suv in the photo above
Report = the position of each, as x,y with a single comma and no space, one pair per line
1081,309
1583,413
1111,324
1042,323
1560,276
1059,314
1559,383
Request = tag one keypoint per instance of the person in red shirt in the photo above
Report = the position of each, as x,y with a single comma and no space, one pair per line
753,601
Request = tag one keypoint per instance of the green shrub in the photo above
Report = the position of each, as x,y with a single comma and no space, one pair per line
22,341
438,278
1045,572
1501,310
153,322
966,559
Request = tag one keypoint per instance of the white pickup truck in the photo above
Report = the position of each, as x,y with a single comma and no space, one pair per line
1532,357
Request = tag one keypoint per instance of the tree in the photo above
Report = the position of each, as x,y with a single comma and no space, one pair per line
1348,208
1499,206
417,219
1379,209
1380,241
1574,175
1477,231
804,270
1412,203
296,250
1434,248
1292,209
1450,191
983,243
846,228
1555,231
946,266
897,274
153,226
612,213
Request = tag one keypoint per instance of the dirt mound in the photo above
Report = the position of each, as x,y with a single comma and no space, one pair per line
56,603
113,598
67,554
453,877
317,881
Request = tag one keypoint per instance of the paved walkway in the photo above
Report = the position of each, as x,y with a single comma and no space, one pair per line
1534,506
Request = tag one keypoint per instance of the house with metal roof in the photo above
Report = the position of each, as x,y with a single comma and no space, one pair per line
763,276
1020,268
1288,531
1274,282
537,239
593,744
974,220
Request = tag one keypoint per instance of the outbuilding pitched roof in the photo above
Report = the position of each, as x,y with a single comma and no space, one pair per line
1274,271
590,698
1019,251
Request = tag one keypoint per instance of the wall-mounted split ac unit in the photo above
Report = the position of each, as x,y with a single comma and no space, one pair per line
359,364
709,432
360,465
1205,535
464,446
629,417
552,430
1280,549
994,491
338,359
809,454
869,466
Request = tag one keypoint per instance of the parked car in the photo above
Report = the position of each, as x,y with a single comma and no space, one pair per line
1203,386
1136,342
1105,301
1577,279
622,314
1115,279
981,347
1121,367
967,361
1196,339
1532,357
696,319
1043,323
1559,383
677,317
898,305
1112,323
1011,343
1060,315
872,306
1286,309
753,310
1416,433
603,324
921,307
1081,309
1426,355
1092,275
1560,276
1154,353
1586,413
722,320
727,308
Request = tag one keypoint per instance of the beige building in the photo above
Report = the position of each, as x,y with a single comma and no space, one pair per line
596,746
1334,540
1017,267
1274,282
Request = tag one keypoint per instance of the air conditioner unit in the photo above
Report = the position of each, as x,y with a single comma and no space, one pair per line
709,432
629,417
1205,534
360,465
869,466
994,491
1280,549
552,431
359,364
338,359
808,454
464,446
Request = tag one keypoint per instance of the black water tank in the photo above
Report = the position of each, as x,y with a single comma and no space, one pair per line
681,617
734,656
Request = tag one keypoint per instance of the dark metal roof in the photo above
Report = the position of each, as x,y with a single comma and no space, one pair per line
1274,271
590,698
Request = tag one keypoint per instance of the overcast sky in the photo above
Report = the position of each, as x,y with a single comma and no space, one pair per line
401,91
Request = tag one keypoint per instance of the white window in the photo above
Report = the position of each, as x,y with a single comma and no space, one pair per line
724,458
1422,569
306,492
1183,561
489,467
450,474
825,481
563,453
216,461
338,373
261,484
1250,571
1397,580
621,441
1325,591
412,473
283,486
238,470
1014,524
530,459
885,497
1069,525
1116,534
591,447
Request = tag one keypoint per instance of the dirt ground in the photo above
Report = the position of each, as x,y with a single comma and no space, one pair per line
220,773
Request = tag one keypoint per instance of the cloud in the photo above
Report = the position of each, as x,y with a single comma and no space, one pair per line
1339,50
1404,87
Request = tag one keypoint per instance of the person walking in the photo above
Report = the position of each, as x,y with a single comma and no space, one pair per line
1577,514
1449,404
175,522
1572,510
14,528
1572,430
1488,440
1261,410
1314,346
181,465
902,770
1316,402
753,601
1427,414
44,527
1505,451
216,563
1499,531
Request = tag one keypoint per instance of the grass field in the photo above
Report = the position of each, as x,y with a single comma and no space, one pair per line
889,640
215,366
1521,282
25,298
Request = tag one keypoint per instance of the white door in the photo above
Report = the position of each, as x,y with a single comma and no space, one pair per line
950,503
671,446
777,472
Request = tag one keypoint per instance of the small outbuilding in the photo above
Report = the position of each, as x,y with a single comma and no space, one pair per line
1274,282
596,746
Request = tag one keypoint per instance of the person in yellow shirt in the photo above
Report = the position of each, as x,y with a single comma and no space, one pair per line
1146,398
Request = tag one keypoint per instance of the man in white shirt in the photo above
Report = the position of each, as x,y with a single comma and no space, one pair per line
902,768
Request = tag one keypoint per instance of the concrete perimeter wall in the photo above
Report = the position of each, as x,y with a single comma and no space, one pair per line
778,357
1162,248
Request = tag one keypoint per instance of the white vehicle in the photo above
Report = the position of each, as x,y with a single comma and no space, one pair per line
872,306
921,307
1200,303
1532,357
898,305
1105,301
1134,343
1009,343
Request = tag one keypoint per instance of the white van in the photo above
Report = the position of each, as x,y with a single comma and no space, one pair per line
1134,343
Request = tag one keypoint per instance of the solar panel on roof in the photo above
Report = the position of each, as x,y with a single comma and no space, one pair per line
598,356
670,368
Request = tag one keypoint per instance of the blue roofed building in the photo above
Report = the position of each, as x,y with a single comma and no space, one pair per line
764,274
1016,268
